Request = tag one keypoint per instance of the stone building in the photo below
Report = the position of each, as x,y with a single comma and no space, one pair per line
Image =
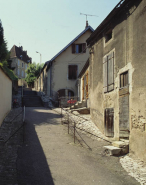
20,61
117,75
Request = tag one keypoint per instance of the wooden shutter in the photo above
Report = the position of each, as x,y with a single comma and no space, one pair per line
105,74
84,47
73,48
72,72
110,65
83,88
87,85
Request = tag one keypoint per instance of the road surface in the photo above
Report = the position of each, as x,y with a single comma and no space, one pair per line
49,156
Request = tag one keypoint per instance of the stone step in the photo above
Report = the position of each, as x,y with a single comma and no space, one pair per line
112,150
124,145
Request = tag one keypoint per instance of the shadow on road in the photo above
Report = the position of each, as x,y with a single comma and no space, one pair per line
32,164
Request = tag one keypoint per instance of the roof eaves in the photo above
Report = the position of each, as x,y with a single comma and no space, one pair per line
5,73
109,16
84,68
88,28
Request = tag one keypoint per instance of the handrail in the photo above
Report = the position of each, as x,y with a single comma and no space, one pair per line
70,120
69,117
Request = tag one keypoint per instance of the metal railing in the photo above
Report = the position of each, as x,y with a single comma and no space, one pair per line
71,122
72,127
67,101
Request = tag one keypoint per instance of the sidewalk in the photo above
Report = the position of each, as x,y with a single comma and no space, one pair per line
134,167
9,147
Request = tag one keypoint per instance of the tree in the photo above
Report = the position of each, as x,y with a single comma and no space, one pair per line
32,72
4,53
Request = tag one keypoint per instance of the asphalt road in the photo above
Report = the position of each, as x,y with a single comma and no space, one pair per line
49,156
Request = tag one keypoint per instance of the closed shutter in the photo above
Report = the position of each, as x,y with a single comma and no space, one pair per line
72,72
73,48
110,71
83,88
84,47
87,85
105,74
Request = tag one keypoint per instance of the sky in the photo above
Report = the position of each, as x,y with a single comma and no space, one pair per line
47,26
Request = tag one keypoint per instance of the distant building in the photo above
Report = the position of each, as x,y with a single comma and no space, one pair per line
20,61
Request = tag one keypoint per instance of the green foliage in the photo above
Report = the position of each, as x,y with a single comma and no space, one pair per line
4,54
1,33
9,72
32,72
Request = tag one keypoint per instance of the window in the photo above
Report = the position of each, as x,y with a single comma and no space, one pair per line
124,79
25,66
108,72
108,36
79,48
18,62
18,71
22,64
72,72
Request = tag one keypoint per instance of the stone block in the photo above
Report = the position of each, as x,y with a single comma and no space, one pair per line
118,144
112,150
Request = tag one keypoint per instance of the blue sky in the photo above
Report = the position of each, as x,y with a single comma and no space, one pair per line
48,26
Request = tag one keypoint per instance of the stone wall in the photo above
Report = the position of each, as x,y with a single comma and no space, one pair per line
128,44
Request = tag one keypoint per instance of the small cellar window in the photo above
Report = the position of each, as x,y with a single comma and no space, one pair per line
124,79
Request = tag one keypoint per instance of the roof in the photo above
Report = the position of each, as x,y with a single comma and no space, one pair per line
86,29
84,68
18,52
106,21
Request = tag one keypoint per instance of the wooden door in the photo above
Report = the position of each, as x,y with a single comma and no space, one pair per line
124,115
109,122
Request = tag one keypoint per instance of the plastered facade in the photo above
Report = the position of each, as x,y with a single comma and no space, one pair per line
20,67
128,44
58,72
5,95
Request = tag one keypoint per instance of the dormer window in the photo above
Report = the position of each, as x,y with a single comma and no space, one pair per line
108,36
79,48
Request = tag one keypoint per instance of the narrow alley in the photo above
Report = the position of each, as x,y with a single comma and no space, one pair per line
49,156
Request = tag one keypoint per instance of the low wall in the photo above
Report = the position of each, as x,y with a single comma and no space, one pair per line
5,95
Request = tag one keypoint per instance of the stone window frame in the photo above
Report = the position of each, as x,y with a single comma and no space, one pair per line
105,35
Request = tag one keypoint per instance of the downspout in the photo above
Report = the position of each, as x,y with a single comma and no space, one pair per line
50,79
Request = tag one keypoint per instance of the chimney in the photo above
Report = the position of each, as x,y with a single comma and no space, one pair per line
21,48
86,24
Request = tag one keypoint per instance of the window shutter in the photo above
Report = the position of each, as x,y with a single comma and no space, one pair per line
73,48
105,74
84,47
111,71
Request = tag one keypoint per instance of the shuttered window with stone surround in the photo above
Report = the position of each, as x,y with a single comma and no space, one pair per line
79,48
108,72
72,72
